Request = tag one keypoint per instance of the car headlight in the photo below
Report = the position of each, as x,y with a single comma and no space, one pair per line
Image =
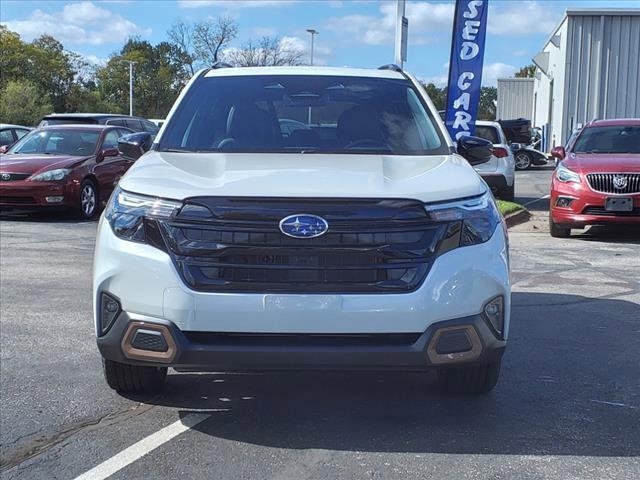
564,175
472,221
50,175
128,212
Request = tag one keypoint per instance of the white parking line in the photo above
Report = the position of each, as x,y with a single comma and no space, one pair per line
536,200
144,446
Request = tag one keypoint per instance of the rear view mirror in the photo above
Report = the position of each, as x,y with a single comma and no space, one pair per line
558,152
475,150
135,145
107,152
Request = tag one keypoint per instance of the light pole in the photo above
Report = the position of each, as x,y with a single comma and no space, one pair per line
131,64
313,33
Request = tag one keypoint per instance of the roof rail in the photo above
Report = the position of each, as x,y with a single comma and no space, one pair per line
391,66
219,64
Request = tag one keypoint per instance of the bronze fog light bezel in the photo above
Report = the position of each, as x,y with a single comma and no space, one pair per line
147,355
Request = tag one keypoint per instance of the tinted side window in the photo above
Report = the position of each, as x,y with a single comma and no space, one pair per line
20,132
488,133
6,137
118,122
149,126
134,124
111,140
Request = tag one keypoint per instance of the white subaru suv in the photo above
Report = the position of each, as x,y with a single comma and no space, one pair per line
302,218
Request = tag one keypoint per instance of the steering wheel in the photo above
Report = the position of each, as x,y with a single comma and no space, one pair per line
367,142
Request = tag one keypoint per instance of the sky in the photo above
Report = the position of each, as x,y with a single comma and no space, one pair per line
351,32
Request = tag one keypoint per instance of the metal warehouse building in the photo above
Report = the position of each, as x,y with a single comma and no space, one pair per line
588,68
515,97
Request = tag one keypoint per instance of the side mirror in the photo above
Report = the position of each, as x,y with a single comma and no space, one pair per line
107,152
475,150
134,145
558,152
4,148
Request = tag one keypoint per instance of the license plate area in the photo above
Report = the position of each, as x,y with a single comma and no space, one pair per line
618,204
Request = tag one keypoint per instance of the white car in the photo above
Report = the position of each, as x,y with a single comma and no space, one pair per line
361,242
500,171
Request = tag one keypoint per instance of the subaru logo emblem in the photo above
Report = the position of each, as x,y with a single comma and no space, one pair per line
620,182
303,225
6,176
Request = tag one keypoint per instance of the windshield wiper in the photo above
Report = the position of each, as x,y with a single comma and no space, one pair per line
187,150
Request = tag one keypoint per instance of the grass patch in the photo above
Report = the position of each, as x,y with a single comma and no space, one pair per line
507,208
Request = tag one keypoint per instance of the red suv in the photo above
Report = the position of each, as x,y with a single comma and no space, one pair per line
598,180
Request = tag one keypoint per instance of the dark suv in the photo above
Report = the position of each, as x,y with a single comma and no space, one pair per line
137,124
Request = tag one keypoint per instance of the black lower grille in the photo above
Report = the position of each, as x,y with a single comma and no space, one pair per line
235,245
601,211
294,340
17,200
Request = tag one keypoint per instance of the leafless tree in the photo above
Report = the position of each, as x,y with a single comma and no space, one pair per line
210,37
181,34
268,51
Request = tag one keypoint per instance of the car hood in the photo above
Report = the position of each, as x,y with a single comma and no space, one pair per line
183,175
19,163
603,162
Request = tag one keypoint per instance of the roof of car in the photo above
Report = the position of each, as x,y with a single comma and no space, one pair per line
10,125
305,70
84,115
615,122
487,123
79,126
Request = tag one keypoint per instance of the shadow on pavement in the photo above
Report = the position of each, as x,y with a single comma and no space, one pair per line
569,386
610,234
43,216
534,204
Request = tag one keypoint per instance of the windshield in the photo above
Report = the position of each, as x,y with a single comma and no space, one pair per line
66,121
303,114
58,142
609,139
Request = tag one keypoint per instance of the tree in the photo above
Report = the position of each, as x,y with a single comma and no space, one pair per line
52,70
181,34
487,106
527,71
210,37
437,95
22,103
158,77
268,51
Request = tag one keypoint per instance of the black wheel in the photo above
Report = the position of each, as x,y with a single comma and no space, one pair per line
133,378
88,200
557,231
508,193
523,161
470,379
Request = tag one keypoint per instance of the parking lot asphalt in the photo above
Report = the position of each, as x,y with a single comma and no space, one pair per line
567,405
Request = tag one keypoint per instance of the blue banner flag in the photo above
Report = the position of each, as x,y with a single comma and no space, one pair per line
465,67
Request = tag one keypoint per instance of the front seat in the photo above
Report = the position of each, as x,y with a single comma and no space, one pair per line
250,127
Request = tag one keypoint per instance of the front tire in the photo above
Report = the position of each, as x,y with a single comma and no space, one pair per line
88,200
133,378
473,379
523,161
557,231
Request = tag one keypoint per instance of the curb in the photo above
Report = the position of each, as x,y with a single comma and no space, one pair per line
516,218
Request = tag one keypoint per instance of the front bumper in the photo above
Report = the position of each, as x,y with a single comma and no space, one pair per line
27,194
587,207
150,290
234,352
